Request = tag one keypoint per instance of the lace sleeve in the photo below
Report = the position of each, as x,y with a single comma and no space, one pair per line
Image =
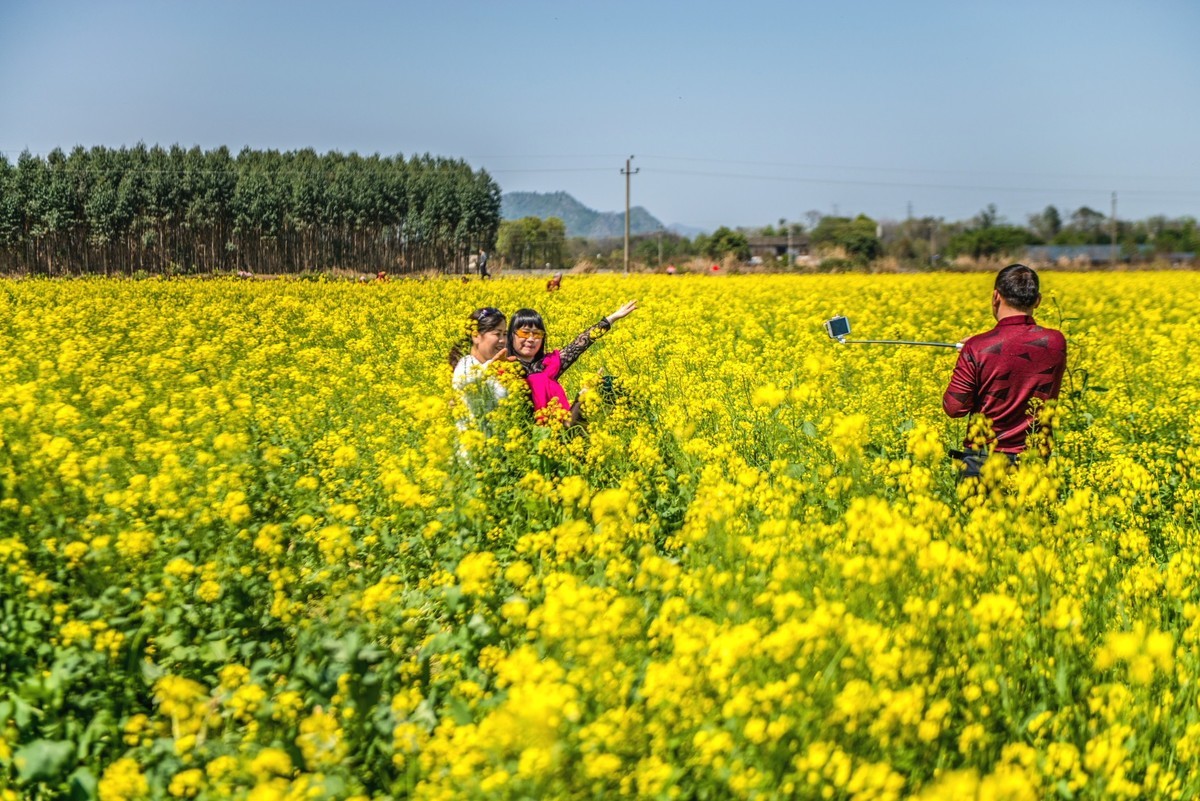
581,343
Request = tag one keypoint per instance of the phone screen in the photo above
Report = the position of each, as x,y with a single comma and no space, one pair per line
837,327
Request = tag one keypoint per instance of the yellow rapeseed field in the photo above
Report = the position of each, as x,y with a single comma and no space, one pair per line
245,553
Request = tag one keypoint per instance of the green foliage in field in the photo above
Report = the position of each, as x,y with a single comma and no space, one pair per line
245,552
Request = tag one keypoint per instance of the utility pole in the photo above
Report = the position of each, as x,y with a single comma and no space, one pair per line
627,172
1112,224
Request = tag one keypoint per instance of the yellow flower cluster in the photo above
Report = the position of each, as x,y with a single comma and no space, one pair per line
245,551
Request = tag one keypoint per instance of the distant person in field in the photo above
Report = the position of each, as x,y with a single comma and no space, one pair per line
481,263
1001,371
555,283
527,341
483,344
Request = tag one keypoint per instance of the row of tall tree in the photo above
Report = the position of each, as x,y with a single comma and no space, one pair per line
532,242
155,209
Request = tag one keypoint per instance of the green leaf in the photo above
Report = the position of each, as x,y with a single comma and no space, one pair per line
1061,684
84,786
368,692
22,712
99,726
334,786
479,626
43,760
151,671
1063,787
264,667
453,597
168,641
460,712
424,714
217,651
371,654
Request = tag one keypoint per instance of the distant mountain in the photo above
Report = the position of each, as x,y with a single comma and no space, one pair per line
690,231
579,219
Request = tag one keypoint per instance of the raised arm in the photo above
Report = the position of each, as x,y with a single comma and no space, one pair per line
960,399
573,351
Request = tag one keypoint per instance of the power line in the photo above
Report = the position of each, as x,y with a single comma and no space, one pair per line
934,171
292,170
554,169
552,156
287,171
917,185
774,164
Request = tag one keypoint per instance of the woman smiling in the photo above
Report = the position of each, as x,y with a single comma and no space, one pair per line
527,342
480,390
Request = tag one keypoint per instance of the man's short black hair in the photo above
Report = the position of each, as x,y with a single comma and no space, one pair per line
1019,286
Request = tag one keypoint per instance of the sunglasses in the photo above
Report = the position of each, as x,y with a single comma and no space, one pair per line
529,333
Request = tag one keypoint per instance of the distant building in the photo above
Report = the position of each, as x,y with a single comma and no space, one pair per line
776,247
1099,254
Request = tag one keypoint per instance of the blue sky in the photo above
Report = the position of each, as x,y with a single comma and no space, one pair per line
737,113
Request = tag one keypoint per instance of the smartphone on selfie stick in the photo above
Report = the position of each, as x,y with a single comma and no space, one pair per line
838,329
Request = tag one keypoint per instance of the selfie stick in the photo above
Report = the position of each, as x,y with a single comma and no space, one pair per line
838,329
844,341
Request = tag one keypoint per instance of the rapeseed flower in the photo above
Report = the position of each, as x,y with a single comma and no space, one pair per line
123,781
244,511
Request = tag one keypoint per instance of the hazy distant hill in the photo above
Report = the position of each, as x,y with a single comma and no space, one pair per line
579,219
690,231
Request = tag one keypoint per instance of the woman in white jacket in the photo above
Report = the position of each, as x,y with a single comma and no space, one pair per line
484,344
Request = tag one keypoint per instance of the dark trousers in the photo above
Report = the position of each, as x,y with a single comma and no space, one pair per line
972,462
608,390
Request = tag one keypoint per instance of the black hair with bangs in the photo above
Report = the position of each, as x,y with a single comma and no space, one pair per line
525,318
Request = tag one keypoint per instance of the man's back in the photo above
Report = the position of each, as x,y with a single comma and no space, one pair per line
999,371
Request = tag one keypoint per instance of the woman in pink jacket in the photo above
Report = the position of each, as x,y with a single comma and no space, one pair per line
527,342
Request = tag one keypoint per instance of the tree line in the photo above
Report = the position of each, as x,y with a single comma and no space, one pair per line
168,210
837,241
931,241
989,235
537,242
532,242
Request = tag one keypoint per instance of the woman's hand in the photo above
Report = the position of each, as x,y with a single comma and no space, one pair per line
502,356
624,311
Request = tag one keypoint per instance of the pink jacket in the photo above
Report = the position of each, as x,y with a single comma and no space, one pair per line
544,385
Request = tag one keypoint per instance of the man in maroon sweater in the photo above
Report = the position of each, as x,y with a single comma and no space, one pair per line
1000,371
